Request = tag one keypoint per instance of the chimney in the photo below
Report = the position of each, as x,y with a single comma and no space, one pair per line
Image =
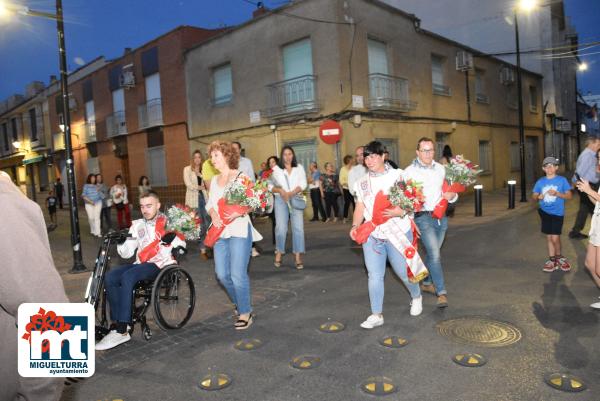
127,50
52,79
260,10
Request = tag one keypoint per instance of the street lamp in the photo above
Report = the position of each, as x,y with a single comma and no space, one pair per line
6,8
526,6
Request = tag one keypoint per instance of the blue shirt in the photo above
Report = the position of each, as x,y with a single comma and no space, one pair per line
316,175
91,191
552,204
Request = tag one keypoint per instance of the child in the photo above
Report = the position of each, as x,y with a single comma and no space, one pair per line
551,191
51,202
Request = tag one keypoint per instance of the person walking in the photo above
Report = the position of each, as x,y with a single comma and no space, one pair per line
586,169
330,190
106,204
233,248
28,275
92,198
379,248
290,180
195,196
51,205
246,168
357,171
59,191
348,198
267,176
314,185
118,194
431,174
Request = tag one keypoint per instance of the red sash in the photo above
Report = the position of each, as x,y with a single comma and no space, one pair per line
151,250
214,233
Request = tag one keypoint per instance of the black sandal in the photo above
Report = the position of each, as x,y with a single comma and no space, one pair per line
244,324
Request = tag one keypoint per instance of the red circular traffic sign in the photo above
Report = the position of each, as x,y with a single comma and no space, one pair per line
330,132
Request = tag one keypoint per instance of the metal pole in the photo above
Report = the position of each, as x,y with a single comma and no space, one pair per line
478,199
78,265
521,125
511,194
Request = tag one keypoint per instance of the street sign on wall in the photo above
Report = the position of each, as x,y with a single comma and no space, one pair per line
330,132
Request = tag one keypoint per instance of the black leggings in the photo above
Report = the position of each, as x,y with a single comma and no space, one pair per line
331,202
317,205
348,200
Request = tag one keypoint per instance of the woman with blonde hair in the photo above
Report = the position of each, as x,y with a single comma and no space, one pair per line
195,194
233,248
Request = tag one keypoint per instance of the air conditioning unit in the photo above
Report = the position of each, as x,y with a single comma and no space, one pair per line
127,78
507,76
464,61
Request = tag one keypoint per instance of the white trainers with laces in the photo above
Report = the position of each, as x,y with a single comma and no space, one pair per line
416,306
372,322
111,340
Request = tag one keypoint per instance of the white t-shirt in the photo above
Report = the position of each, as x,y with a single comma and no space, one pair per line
297,178
432,177
354,175
367,187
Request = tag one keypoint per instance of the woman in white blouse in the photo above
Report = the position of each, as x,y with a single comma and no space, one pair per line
118,194
232,250
289,178
195,194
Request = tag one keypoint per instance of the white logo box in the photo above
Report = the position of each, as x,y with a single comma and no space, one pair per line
76,360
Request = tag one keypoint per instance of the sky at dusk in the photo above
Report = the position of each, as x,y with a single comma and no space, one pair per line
28,46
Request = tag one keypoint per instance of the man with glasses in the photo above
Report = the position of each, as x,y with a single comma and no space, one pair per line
431,174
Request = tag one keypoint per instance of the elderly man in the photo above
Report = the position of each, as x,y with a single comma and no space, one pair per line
28,275
587,169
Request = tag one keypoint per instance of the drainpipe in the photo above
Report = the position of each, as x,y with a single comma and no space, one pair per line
468,96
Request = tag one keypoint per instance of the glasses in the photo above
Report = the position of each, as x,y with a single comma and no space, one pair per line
426,150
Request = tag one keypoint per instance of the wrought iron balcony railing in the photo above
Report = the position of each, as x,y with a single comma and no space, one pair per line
293,96
116,124
389,93
150,113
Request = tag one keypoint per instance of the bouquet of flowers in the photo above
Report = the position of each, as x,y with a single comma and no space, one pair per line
241,196
184,220
408,195
266,174
460,173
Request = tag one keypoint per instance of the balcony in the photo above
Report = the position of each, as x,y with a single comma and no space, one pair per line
116,124
389,93
481,98
439,89
89,132
150,113
293,96
58,141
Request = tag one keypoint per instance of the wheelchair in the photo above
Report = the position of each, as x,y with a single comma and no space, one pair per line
171,294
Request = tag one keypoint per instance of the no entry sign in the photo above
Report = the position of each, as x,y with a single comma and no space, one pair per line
330,132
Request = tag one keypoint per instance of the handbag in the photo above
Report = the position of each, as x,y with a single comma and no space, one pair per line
297,201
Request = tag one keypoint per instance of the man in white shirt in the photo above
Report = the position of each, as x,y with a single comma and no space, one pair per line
358,171
245,167
431,174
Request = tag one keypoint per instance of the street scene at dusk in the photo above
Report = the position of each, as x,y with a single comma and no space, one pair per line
299,200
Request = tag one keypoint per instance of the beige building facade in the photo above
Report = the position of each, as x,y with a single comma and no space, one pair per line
275,79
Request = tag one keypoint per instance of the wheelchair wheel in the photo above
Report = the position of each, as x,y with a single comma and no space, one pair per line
173,298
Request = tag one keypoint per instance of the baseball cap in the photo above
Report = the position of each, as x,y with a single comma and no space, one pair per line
550,160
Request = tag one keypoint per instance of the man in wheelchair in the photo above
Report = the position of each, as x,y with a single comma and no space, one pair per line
156,249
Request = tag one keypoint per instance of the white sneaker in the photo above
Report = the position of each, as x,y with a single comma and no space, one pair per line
372,322
111,340
416,306
255,253
595,305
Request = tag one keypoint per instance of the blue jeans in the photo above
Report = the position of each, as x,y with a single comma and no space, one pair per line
232,256
376,252
282,217
119,284
433,232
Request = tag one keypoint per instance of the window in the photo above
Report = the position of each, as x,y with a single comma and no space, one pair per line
297,59
480,92
378,61
437,76
118,98
93,166
14,129
391,145
533,101
223,87
33,125
485,156
152,83
441,140
5,137
306,152
157,171
515,156
511,97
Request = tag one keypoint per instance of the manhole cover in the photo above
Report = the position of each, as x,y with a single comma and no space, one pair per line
248,344
469,360
393,342
565,382
480,331
216,381
379,385
306,362
332,327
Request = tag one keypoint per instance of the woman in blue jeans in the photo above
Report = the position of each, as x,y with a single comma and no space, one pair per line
289,179
232,250
379,248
